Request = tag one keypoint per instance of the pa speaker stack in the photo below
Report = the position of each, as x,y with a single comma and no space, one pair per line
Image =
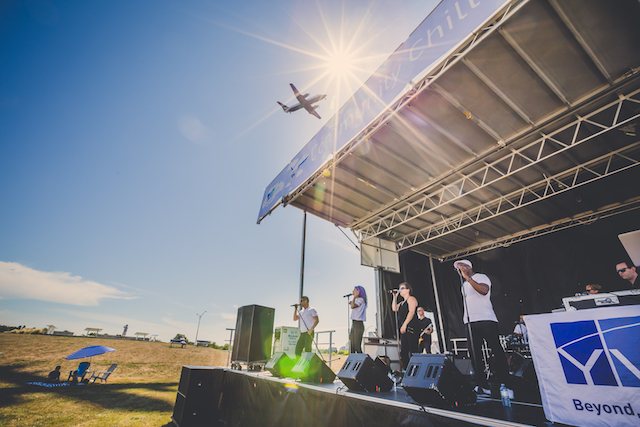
434,379
311,369
361,373
280,365
198,397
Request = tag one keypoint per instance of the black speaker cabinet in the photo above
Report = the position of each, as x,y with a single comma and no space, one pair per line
311,369
280,365
434,379
361,373
198,397
254,333
464,366
523,380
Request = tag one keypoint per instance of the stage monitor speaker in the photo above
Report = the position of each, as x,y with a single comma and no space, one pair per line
198,398
434,379
361,373
280,365
254,334
464,366
311,369
523,380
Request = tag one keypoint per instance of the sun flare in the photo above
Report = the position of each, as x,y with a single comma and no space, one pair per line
340,64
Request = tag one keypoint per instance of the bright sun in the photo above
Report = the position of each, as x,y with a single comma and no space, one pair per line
340,64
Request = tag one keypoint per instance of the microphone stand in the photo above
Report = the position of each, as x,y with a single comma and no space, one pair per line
398,331
466,309
348,326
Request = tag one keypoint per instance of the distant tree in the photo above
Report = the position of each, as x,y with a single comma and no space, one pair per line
179,336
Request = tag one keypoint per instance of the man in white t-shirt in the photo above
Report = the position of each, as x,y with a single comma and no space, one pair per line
308,317
479,314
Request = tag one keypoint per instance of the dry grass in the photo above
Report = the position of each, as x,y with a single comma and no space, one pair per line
140,392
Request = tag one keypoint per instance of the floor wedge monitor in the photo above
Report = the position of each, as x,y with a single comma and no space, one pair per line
434,379
311,369
280,365
361,373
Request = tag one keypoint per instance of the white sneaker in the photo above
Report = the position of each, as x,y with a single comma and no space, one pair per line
482,391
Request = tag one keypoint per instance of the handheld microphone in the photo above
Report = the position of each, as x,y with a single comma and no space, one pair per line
392,291
294,305
346,296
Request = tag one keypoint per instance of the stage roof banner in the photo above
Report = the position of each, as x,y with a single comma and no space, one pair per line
450,23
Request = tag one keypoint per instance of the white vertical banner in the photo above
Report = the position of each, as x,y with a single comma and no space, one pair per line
588,365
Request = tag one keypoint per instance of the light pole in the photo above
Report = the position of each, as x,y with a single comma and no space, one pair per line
198,329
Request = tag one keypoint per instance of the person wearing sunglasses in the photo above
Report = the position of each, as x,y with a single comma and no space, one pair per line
482,325
628,272
407,321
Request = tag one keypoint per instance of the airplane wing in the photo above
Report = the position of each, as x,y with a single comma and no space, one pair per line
313,112
295,91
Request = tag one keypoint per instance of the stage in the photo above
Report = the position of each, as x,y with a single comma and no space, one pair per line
241,398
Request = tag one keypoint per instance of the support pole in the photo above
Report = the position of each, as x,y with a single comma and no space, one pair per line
443,344
304,236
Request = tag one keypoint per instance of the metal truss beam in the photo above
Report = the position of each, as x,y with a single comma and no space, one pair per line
516,161
586,173
582,219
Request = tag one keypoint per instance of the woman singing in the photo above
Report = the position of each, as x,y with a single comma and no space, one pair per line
358,317
407,321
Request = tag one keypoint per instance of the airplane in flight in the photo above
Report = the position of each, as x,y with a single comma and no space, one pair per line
303,102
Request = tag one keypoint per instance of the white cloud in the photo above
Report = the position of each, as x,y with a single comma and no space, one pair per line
20,282
229,316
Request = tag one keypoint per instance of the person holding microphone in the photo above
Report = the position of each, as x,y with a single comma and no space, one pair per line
358,317
407,321
309,320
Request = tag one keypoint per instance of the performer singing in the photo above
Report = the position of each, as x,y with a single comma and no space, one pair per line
309,317
407,321
482,320
358,317
426,328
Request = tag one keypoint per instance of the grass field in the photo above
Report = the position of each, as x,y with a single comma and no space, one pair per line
140,392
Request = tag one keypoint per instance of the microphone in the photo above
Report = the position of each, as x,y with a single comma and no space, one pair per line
346,296
294,305
392,291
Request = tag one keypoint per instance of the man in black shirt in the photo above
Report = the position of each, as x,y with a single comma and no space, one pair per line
426,328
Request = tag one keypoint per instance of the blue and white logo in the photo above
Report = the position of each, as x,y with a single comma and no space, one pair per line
602,352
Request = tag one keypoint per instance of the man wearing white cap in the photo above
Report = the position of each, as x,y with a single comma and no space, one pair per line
479,315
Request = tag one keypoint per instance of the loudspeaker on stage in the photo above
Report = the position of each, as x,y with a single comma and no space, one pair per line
310,368
280,365
434,379
361,373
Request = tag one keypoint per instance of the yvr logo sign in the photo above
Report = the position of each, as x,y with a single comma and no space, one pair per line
603,352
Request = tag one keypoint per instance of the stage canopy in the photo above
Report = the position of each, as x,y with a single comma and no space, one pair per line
526,126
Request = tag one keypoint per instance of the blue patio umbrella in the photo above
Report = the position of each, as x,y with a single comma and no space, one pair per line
92,350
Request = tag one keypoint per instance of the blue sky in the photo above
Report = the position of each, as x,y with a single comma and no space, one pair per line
136,140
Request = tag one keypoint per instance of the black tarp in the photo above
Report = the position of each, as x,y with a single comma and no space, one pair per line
528,277
251,400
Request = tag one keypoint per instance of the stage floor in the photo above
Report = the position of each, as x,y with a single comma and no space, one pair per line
258,398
